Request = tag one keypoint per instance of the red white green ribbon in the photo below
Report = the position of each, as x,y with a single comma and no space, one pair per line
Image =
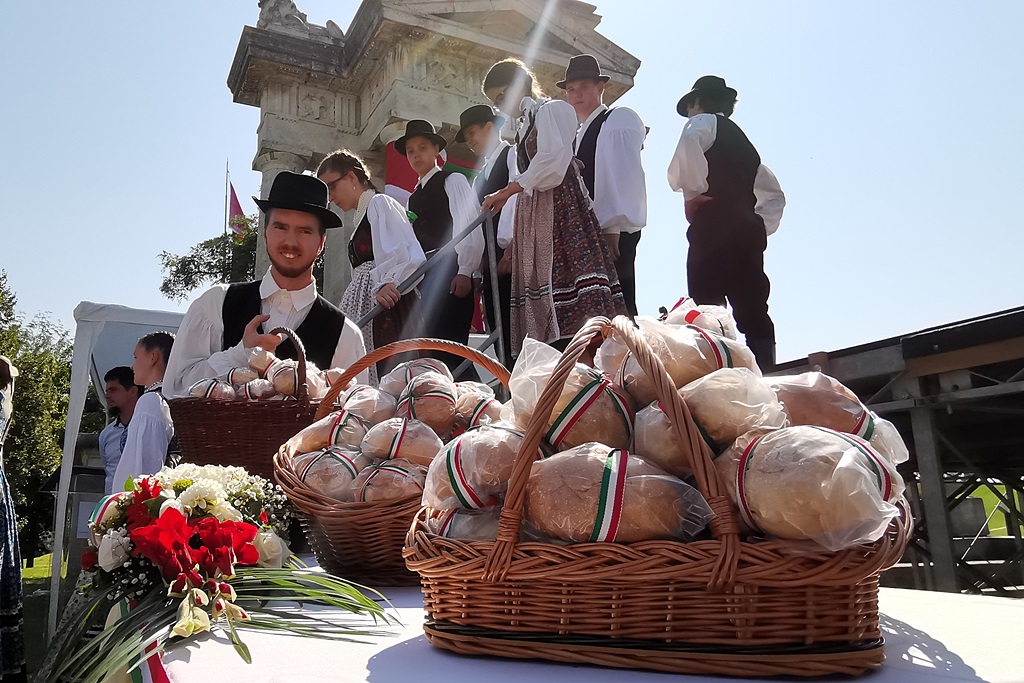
234,371
457,476
571,414
481,406
409,402
741,485
865,428
396,440
340,423
152,670
106,502
609,505
385,467
445,524
333,453
882,476
718,347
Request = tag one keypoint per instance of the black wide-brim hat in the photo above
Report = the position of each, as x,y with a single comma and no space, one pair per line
419,128
477,115
583,67
298,192
708,85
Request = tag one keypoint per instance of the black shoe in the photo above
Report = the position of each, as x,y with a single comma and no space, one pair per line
764,353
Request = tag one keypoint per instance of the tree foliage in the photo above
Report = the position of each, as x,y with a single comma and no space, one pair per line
226,258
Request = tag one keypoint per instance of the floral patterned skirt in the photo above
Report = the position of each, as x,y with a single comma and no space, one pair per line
12,636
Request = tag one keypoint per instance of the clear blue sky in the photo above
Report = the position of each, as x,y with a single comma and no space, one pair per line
894,129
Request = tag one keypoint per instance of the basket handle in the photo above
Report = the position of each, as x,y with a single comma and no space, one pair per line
301,391
723,525
403,346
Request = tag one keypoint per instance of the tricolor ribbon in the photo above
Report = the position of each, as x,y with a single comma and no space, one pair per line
586,397
478,411
445,523
718,346
457,476
741,483
106,502
865,428
386,467
333,453
882,476
396,440
340,422
609,504
409,402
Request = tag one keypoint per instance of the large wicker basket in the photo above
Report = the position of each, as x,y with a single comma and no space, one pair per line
242,433
363,541
721,606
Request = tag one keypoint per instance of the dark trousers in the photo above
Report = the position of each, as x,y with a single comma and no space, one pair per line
725,264
505,306
444,315
625,266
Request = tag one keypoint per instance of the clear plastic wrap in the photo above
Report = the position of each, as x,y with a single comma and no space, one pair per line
373,405
389,480
590,407
473,471
811,483
813,398
469,525
688,353
260,360
729,402
656,441
240,376
717,319
470,387
337,429
285,376
473,409
404,439
593,493
610,355
256,390
430,398
331,471
215,389
398,379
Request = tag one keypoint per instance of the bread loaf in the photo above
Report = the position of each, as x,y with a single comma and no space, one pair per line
473,471
398,379
256,390
330,471
372,405
473,409
430,398
213,389
477,525
402,439
260,360
729,402
240,376
340,428
656,442
389,480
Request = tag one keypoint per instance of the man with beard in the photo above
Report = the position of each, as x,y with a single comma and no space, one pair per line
226,322
122,393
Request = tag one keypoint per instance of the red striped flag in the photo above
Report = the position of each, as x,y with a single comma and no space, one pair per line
234,209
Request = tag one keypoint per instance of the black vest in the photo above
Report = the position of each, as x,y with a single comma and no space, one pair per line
732,166
498,179
586,152
360,247
430,204
319,332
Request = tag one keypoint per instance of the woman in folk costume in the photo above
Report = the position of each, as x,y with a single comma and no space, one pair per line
562,270
383,252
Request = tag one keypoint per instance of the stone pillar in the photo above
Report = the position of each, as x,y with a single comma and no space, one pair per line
270,164
337,269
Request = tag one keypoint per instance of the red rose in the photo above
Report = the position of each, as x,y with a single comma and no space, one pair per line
165,543
89,560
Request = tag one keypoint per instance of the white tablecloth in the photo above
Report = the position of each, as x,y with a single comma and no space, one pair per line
929,637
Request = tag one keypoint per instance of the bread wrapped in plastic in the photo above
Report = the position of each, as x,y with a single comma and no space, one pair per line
430,398
470,387
389,480
256,390
260,360
216,389
589,408
610,355
473,409
688,353
656,442
372,405
340,428
729,402
593,493
316,383
814,398
398,379
472,472
470,525
285,376
402,439
240,376
330,471
717,319
811,483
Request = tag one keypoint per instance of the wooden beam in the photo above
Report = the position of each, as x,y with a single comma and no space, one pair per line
983,354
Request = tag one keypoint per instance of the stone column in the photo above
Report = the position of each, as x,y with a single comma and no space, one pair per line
270,164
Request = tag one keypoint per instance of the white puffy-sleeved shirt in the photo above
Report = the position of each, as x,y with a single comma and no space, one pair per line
688,171
149,432
508,213
620,186
556,125
396,251
198,351
465,208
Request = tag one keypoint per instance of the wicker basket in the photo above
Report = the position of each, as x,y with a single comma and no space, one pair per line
363,541
719,606
242,433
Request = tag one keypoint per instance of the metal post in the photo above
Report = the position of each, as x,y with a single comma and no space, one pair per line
933,500
492,264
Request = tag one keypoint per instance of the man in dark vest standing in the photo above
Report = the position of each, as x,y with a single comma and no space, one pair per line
732,202
479,128
226,322
608,143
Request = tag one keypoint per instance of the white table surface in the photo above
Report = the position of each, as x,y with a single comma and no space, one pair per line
929,637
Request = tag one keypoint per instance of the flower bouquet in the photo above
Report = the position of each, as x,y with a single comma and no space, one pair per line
186,550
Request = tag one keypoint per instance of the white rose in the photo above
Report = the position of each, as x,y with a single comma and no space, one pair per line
273,550
113,551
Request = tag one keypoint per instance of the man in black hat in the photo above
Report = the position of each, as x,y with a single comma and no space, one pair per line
227,321
732,202
442,205
479,128
608,143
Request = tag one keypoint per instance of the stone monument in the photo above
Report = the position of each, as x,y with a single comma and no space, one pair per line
320,88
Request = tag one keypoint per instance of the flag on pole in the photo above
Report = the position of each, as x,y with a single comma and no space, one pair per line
235,209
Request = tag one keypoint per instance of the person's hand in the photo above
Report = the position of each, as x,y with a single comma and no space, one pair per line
612,240
691,206
251,338
462,286
497,200
505,264
388,295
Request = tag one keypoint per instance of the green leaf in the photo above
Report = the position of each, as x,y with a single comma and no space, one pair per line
241,648
129,484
